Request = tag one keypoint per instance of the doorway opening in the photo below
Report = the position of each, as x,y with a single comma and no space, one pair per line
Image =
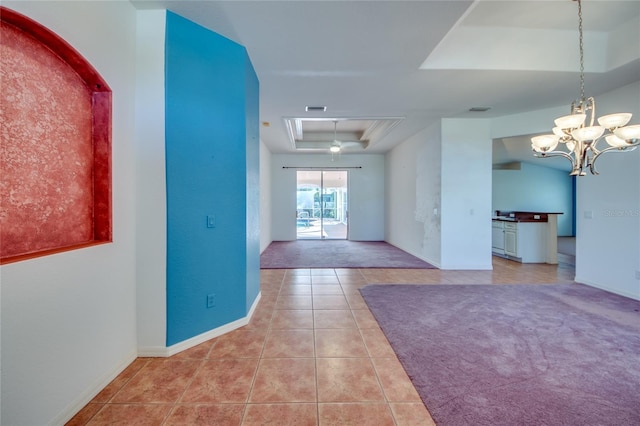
321,204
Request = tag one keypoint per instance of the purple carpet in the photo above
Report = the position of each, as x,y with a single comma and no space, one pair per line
337,254
516,354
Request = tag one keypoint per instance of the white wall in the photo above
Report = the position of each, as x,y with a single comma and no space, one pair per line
439,194
69,320
539,121
412,209
151,212
535,188
265,197
466,194
608,210
366,193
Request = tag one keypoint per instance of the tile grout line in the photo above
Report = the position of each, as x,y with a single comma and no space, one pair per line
260,358
386,399
175,403
375,370
315,357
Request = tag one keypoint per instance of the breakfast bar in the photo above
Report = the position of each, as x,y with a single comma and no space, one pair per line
527,237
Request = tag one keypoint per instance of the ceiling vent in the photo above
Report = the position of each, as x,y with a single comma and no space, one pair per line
315,108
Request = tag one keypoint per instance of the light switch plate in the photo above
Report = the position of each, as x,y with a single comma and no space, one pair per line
211,300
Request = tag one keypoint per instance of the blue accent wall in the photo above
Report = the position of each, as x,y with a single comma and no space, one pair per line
212,145
538,189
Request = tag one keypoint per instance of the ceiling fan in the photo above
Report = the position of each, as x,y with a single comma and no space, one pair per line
338,146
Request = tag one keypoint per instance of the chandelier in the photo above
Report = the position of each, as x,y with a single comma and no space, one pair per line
578,133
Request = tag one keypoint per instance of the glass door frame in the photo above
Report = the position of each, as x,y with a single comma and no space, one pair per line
327,203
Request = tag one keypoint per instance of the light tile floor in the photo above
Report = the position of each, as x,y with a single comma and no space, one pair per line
312,354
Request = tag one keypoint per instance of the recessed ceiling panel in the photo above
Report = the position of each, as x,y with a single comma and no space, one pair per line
351,134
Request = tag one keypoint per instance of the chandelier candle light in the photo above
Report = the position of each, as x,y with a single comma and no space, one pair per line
580,139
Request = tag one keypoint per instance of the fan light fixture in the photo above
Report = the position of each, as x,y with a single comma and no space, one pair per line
581,140
335,146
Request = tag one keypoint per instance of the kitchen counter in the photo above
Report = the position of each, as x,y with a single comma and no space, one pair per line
518,216
527,237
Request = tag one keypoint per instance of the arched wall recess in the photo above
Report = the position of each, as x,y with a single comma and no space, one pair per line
55,151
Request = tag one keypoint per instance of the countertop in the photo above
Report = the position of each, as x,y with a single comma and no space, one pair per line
505,219
518,216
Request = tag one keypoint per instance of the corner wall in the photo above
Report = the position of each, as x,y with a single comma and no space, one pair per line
212,160
466,194
439,189
265,197
252,188
151,211
413,181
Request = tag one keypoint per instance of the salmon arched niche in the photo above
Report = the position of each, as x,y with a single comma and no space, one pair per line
55,151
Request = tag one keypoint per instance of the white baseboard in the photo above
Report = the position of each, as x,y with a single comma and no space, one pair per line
606,288
419,256
149,351
426,259
85,397
467,267
162,351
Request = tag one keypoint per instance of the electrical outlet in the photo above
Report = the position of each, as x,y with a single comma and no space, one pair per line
211,300
211,221
637,275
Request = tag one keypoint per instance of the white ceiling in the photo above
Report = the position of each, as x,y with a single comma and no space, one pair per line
421,60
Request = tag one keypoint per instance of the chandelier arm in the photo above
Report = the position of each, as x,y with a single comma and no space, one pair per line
594,145
594,149
592,165
611,148
576,167
556,154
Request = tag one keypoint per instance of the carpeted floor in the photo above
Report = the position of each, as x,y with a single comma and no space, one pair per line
337,254
516,354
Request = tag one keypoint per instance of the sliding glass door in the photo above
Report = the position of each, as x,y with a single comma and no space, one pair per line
321,211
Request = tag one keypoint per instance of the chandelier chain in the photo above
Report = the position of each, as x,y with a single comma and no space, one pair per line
582,98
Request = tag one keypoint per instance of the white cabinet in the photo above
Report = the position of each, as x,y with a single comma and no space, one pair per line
525,242
497,237
511,239
530,241
528,237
